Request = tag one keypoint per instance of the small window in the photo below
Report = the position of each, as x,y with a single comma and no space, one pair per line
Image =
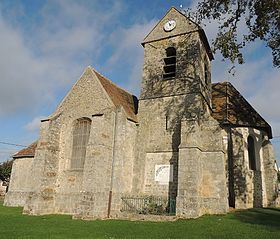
205,73
169,63
81,132
251,153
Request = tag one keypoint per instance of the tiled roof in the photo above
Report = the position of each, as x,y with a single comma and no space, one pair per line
26,152
120,97
230,107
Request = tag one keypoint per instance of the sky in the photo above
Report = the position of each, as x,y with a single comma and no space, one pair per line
45,46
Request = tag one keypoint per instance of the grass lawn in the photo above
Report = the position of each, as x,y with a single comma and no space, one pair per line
255,223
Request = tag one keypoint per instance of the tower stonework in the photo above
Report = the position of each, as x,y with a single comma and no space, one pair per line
175,100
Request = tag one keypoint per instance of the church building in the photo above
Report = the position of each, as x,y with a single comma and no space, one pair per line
186,147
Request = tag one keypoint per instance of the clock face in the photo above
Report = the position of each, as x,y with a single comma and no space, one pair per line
169,26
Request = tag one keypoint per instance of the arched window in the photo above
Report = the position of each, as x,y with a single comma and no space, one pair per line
81,132
169,63
251,153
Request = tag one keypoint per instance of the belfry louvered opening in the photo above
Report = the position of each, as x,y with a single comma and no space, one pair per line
169,63
81,132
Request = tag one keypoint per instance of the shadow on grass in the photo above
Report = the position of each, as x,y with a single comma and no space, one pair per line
269,217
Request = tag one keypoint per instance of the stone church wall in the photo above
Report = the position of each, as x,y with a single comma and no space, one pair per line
20,182
58,188
109,167
270,174
251,186
86,99
41,200
202,170
97,170
158,141
166,104
156,187
123,166
83,192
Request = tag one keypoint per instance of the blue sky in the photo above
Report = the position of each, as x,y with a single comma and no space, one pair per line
45,46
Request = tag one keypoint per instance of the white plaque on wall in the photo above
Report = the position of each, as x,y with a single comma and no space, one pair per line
164,173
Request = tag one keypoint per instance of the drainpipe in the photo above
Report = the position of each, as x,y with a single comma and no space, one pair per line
113,160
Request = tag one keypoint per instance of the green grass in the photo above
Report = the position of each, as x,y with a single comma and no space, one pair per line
255,223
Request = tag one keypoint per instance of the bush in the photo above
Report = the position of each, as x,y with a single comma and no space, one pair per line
5,171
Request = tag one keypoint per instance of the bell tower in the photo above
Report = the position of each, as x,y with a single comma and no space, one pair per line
175,90
177,59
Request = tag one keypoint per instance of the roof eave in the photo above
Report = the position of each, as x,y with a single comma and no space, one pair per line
23,156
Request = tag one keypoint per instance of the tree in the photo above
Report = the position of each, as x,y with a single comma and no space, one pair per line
5,170
261,17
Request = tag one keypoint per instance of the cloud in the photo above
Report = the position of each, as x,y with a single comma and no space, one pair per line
46,57
20,73
266,95
128,53
69,28
260,84
34,125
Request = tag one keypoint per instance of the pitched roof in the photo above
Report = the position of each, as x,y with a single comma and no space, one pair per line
230,107
120,97
26,152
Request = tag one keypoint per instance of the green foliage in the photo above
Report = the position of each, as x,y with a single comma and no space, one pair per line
256,223
261,17
278,176
5,170
154,209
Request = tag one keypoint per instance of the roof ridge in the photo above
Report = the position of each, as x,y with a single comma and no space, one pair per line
118,95
113,83
222,82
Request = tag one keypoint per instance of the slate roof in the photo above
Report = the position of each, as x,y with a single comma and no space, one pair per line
26,152
120,97
230,107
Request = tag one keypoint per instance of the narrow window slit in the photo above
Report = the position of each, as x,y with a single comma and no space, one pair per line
251,153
